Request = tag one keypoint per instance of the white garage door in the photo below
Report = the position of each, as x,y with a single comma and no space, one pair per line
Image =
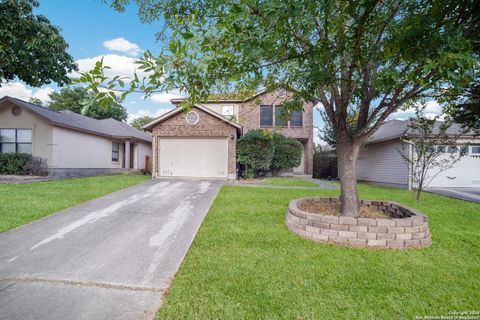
193,157
464,174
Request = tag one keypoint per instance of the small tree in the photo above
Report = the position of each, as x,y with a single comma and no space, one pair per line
255,151
434,149
287,153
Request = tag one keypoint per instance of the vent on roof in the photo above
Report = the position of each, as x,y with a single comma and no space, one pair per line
192,118
16,111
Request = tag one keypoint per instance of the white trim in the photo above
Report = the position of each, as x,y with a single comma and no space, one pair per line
196,120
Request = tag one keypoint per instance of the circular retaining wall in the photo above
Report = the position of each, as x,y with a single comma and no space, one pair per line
405,229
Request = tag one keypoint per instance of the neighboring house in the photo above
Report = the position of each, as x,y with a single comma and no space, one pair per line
381,162
72,144
202,142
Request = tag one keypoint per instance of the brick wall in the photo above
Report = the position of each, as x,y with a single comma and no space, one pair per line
249,118
208,126
405,229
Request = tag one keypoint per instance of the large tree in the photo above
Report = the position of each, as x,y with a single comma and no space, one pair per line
74,98
366,58
30,47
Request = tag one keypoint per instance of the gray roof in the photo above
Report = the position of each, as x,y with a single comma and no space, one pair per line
66,118
394,129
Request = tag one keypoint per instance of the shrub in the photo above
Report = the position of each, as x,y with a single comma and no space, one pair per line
287,154
14,163
255,151
38,166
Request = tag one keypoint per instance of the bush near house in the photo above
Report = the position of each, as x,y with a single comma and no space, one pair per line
287,153
22,164
14,163
255,151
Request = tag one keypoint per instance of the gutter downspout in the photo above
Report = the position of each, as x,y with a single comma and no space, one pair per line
410,167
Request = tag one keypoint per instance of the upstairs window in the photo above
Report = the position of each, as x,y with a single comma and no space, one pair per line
297,119
115,152
227,111
279,121
266,116
15,141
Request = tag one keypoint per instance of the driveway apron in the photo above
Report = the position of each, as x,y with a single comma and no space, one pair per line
110,258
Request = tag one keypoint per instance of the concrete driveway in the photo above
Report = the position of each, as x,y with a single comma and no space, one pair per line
468,194
110,258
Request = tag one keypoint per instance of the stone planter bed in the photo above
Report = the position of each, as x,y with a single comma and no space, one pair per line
405,227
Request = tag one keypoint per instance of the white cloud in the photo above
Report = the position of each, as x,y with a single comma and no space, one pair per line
142,113
122,45
21,91
164,97
431,108
43,93
120,65
15,90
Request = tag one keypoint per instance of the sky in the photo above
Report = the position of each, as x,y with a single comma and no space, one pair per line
93,29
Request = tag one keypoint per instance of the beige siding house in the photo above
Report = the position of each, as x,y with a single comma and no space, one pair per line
72,144
202,142
381,160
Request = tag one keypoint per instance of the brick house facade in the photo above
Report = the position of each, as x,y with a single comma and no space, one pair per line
209,126
211,134
249,119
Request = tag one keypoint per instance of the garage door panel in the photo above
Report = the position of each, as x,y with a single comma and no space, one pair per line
464,174
193,157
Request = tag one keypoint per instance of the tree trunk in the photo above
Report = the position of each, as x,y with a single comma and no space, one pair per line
347,161
419,189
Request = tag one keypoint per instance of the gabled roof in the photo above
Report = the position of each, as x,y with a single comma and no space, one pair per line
395,129
179,100
110,128
173,112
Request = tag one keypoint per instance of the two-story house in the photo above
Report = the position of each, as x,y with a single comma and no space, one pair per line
202,141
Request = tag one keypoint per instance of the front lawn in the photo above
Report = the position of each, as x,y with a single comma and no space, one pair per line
244,264
289,182
23,203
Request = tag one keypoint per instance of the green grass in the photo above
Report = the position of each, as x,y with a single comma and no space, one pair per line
245,264
23,203
289,182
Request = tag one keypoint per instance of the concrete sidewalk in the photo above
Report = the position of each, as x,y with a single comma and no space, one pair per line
467,194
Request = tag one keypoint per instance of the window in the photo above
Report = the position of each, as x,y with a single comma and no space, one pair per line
266,116
441,149
279,121
296,120
475,150
464,150
115,151
15,140
452,149
227,111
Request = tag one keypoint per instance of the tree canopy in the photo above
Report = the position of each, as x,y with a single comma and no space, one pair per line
363,57
466,108
141,121
30,47
73,99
